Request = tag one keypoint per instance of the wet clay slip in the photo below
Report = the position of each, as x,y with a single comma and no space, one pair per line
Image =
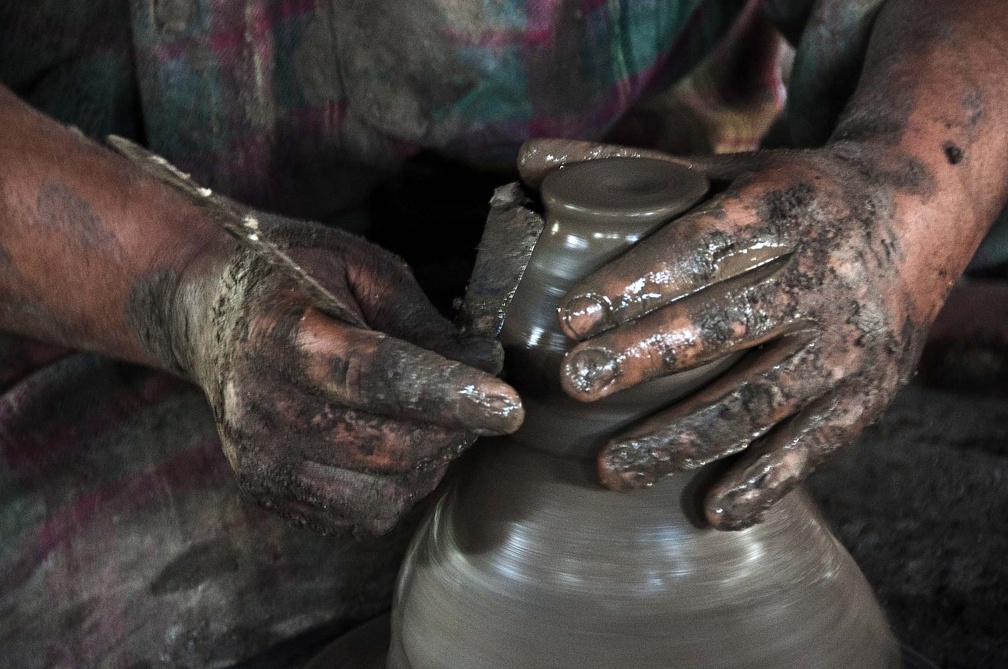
527,561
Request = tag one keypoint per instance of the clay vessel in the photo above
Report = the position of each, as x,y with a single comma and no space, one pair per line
527,561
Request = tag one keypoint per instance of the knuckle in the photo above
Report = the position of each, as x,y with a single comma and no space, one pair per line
348,374
757,312
274,320
387,259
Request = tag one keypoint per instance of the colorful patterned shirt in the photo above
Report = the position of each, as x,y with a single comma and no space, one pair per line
124,539
292,104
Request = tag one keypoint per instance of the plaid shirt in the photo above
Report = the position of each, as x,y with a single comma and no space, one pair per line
283,102
124,541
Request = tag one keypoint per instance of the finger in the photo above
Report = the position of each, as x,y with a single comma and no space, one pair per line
742,496
728,317
482,353
394,303
380,287
378,374
539,157
719,421
335,500
379,445
300,514
409,316
271,493
353,495
415,320
372,504
723,239
342,437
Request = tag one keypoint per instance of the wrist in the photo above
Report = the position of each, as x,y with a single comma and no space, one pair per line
180,261
933,215
195,303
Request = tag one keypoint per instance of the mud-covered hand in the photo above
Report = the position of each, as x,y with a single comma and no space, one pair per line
336,426
803,261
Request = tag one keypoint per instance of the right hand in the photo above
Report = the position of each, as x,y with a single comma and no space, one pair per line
334,426
829,292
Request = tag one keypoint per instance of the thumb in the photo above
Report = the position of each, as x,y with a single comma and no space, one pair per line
539,157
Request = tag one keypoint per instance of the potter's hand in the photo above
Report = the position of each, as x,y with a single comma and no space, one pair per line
335,426
798,261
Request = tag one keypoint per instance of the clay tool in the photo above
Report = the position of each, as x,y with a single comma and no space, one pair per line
239,222
527,561
511,232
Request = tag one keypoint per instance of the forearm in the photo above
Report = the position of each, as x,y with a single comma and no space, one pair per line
935,88
90,249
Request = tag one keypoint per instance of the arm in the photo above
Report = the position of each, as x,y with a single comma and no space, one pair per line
826,266
935,89
339,427
79,231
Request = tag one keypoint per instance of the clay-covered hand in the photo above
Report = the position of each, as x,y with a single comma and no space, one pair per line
336,426
804,261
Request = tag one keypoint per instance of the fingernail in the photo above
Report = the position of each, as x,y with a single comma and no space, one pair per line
729,514
590,371
489,412
582,314
630,466
443,457
740,506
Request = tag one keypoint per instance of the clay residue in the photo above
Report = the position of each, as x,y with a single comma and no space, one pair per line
504,251
149,316
370,421
397,379
898,171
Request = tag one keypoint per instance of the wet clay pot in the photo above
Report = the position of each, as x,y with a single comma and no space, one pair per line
527,561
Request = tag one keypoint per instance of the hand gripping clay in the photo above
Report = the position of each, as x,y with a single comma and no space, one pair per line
528,561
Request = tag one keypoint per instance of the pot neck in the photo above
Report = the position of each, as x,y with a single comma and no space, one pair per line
594,212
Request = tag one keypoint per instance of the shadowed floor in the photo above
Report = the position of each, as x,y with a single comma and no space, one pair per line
921,501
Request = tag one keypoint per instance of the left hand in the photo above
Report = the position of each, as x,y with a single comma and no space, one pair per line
806,260
340,424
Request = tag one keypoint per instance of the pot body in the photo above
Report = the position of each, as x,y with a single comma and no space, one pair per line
527,561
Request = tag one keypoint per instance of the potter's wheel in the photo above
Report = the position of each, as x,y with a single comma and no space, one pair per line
508,570
367,646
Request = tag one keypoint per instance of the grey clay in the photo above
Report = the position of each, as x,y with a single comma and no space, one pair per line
527,561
